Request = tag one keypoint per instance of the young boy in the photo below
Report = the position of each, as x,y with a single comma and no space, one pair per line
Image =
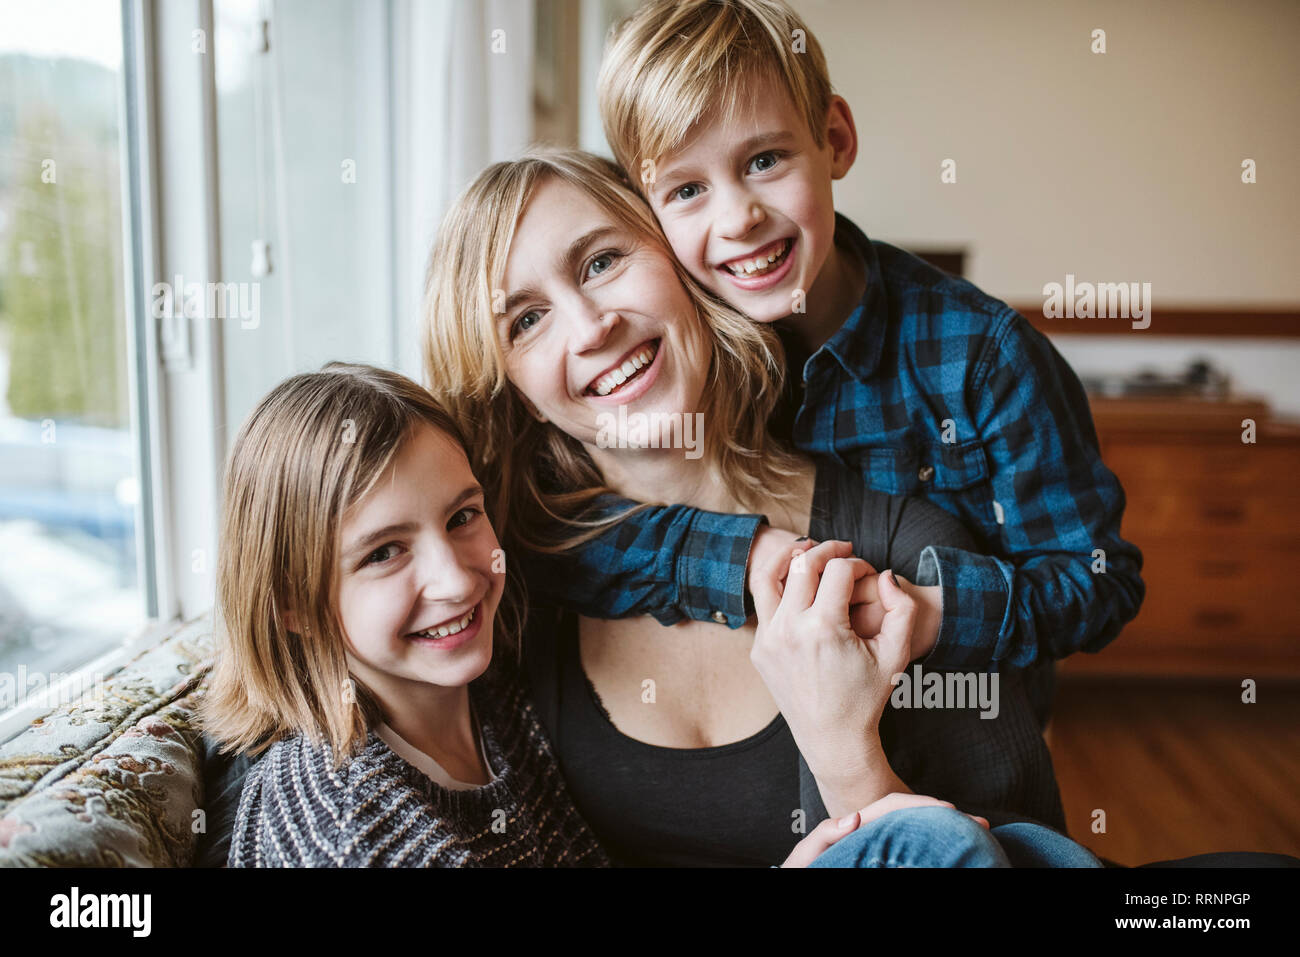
722,112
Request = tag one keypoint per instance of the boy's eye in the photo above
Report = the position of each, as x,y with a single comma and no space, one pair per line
464,516
683,193
763,162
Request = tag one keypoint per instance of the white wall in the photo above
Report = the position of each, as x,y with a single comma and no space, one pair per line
1123,166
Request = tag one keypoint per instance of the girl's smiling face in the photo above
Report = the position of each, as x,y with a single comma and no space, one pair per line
417,579
596,317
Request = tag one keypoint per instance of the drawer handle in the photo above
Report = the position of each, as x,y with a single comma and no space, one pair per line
1221,512
1217,618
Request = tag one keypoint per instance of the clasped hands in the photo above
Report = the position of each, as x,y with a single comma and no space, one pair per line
832,633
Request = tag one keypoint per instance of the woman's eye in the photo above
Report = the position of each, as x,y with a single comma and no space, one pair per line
763,162
683,193
380,555
600,264
526,322
464,517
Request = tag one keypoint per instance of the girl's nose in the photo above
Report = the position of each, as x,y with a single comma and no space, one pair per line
445,578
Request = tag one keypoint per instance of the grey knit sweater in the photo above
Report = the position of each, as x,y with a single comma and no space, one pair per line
379,811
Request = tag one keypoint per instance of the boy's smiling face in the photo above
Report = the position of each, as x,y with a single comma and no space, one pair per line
746,203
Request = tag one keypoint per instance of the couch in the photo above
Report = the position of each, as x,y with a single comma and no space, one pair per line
114,778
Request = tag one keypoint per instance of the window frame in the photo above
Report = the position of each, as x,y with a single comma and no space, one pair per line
170,228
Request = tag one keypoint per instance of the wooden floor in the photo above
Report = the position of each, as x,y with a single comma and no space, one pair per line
1179,768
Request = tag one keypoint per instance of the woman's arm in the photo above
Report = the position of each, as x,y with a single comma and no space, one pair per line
816,668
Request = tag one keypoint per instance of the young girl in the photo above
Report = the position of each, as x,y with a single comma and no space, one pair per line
359,586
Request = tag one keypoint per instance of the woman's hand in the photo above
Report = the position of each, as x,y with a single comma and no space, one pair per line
831,685
830,831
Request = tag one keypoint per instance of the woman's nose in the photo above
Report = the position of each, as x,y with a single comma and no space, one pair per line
589,326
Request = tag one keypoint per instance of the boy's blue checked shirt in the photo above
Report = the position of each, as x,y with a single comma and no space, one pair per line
930,388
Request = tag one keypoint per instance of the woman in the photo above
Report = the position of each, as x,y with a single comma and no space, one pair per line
554,303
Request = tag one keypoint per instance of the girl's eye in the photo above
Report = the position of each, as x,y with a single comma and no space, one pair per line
763,162
601,264
684,193
377,557
464,517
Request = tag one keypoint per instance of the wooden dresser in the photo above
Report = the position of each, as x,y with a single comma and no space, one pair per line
1218,522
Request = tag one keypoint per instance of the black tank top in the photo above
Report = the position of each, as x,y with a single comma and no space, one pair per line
734,805
737,804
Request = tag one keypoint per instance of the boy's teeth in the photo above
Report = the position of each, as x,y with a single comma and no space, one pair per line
759,264
630,367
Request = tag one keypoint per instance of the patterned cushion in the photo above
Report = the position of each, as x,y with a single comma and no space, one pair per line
114,778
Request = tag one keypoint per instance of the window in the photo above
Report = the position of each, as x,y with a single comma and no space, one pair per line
70,586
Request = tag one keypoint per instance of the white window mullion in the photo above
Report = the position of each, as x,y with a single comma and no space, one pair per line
193,432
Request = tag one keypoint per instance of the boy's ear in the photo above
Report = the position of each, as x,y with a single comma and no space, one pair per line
841,136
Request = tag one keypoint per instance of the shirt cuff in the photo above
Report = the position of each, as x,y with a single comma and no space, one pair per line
712,566
976,630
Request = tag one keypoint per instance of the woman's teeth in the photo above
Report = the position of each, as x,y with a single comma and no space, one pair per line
759,264
630,369
451,628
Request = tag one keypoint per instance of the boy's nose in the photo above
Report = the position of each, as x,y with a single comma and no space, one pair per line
741,217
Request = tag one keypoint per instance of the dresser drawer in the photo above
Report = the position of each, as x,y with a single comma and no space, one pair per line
1196,517
1226,467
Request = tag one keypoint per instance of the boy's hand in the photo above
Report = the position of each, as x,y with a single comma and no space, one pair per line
867,613
775,548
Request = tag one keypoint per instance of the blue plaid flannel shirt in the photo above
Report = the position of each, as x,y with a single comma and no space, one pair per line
930,388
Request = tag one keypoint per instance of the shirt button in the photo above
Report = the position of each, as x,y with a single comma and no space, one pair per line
925,473
720,617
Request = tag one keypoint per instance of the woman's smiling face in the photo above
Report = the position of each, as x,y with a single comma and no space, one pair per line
596,317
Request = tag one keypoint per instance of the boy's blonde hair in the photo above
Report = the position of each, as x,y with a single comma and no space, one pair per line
671,61
315,445
535,474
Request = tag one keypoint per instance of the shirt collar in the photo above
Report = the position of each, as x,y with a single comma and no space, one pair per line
858,343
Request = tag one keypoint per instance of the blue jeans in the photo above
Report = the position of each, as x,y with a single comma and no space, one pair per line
942,837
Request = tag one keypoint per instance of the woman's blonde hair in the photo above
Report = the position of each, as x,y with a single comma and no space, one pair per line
315,445
538,478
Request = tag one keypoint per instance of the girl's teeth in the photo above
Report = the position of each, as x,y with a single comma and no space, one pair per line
444,631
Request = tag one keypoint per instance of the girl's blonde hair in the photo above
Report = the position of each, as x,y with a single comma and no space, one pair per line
538,478
315,445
